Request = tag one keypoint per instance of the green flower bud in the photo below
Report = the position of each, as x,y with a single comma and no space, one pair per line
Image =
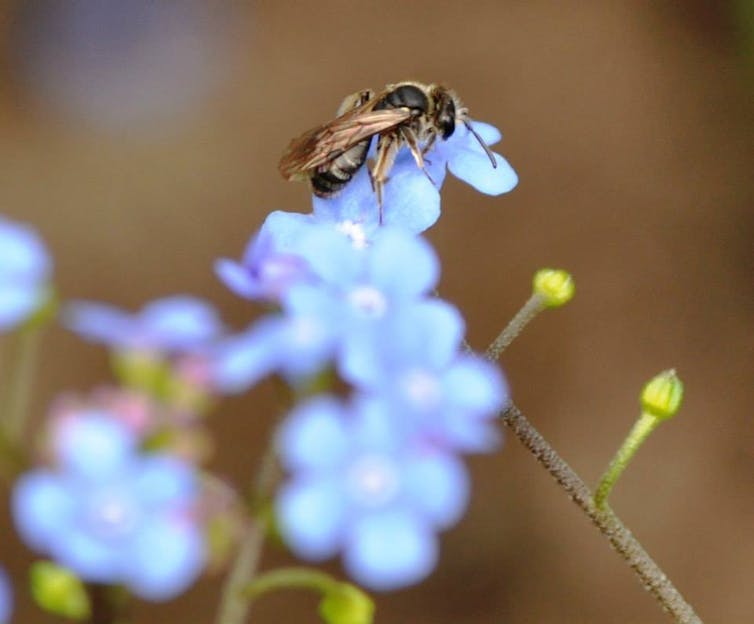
662,396
58,590
554,286
346,604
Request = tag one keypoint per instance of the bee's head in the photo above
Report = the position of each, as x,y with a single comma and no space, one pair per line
445,111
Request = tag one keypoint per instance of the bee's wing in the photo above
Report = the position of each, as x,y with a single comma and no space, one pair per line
325,143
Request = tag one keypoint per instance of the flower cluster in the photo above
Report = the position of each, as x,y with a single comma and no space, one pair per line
374,456
377,473
111,513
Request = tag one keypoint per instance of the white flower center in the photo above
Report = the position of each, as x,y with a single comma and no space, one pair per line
355,232
112,514
422,389
373,480
369,301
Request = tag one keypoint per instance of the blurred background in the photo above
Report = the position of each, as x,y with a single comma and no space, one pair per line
142,140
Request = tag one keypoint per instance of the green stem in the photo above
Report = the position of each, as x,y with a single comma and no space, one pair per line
529,310
290,578
641,430
652,578
234,606
21,380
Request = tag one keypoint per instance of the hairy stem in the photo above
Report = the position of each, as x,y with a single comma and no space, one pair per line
623,542
530,309
234,605
20,385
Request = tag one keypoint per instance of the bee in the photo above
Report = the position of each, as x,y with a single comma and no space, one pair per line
408,114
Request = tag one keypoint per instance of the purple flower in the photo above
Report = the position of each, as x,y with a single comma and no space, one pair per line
179,324
25,268
359,487
6,598
411,200
111,514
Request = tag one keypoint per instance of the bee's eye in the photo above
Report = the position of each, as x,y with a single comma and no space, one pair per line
446,120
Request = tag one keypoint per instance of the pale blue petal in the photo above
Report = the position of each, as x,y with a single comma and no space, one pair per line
94,447
331,256
356,203
161,480
390,550
98,322
181,321
312,516
240,362
91,558
438,486
474,168
489,133
314,436
22,253
238,279
17,302
476,385
164,559
402,265
43,507
412,201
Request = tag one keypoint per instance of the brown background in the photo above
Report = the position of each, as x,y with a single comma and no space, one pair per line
630,125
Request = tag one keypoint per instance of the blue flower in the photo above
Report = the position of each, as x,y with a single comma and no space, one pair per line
25,268
449,398
411,200
110,514
179,324
6,598
359,487
351,292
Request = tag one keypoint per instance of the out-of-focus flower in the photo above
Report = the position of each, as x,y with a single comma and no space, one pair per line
111,514
6,598
25,268
173,325
359,486
411,201
117,65
265,272
416,364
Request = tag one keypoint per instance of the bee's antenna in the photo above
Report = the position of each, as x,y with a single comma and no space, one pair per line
485,147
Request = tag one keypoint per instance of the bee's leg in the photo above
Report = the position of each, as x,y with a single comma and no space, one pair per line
387,148
354,100
416,151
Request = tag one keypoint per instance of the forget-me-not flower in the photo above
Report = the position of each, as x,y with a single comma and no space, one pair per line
25,268
360,487
112,514
172,325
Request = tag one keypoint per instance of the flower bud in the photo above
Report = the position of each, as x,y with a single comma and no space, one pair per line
661,397
58,590
554,286
346,604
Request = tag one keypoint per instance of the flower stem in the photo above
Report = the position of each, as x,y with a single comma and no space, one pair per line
234,605
530,309
623,542
21,379
641,430
288,578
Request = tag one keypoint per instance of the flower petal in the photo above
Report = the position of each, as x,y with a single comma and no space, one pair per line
390,550
42,508
474,168
438,485
312,515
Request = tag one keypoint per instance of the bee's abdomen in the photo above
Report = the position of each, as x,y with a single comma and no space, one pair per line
339,171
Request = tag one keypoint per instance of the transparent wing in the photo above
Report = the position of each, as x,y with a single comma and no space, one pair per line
325,143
